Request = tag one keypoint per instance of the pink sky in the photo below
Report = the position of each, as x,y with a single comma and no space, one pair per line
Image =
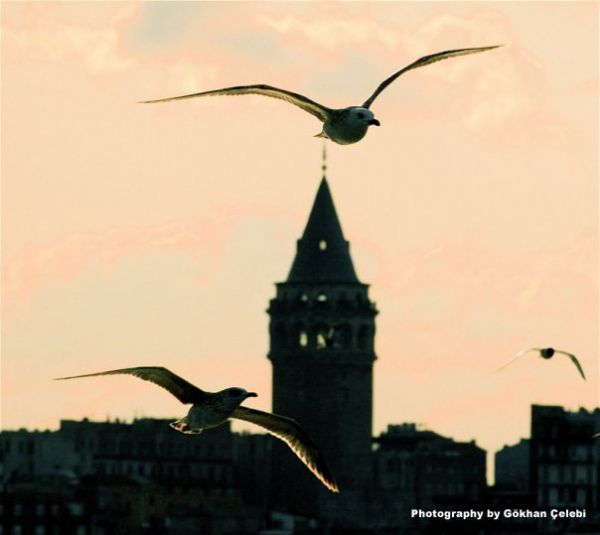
142,235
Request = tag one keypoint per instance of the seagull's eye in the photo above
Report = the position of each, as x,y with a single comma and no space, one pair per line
361,115
234,393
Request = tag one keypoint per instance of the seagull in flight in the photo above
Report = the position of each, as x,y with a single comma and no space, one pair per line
546,353
344,125
213,409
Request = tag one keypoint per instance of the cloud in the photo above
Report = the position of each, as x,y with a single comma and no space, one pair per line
333,32
481,29
46,36
62,262
488,300
506,96
168,23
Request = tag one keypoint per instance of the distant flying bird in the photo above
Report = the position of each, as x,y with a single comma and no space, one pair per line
546,353
344,125
213,409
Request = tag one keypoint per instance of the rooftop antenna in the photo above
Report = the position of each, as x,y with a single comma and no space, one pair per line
324,158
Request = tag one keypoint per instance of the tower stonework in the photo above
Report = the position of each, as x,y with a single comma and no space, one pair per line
322,327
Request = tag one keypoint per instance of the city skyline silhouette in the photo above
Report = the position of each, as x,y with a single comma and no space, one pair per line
135,234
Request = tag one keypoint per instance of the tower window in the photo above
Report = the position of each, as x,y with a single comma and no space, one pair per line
324,337
322,298
321,341
344,337
302,339
322,245
363,337
304,298
280,338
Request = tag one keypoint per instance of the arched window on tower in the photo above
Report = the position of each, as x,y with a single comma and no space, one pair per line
343,303
280,336
303,339
322,301
300,335
302,299
323,336
363,337
342,336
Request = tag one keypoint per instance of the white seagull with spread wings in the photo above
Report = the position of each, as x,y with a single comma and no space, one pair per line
546,353
213,409
344,125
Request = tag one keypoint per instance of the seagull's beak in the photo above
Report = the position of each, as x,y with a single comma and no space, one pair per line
375,122
251,395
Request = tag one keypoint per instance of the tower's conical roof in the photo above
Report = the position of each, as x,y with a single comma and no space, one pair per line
323,255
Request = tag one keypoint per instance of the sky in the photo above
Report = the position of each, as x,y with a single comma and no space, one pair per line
153,235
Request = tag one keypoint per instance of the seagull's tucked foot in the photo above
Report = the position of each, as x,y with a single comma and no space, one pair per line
322,134
183,427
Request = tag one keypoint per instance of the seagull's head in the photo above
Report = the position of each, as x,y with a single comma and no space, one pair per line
232,397
547,352
362,116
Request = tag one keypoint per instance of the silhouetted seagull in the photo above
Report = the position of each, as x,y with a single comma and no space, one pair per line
344,125
212,409
546,353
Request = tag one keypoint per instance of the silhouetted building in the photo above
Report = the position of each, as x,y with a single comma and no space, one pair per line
123,478
511,466
565,463
45,505
322,327
252,461
27,454
148,448
423,470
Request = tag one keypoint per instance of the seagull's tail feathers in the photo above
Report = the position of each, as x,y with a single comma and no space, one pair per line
182,426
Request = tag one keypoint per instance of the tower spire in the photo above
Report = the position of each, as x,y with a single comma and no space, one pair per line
323,254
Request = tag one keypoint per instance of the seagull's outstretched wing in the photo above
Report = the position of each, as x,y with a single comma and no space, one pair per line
295,437
519,354
180,388
312,107
421,62
574,360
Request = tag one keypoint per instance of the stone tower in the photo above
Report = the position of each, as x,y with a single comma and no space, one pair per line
322,327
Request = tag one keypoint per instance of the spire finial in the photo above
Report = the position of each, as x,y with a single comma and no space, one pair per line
324,159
